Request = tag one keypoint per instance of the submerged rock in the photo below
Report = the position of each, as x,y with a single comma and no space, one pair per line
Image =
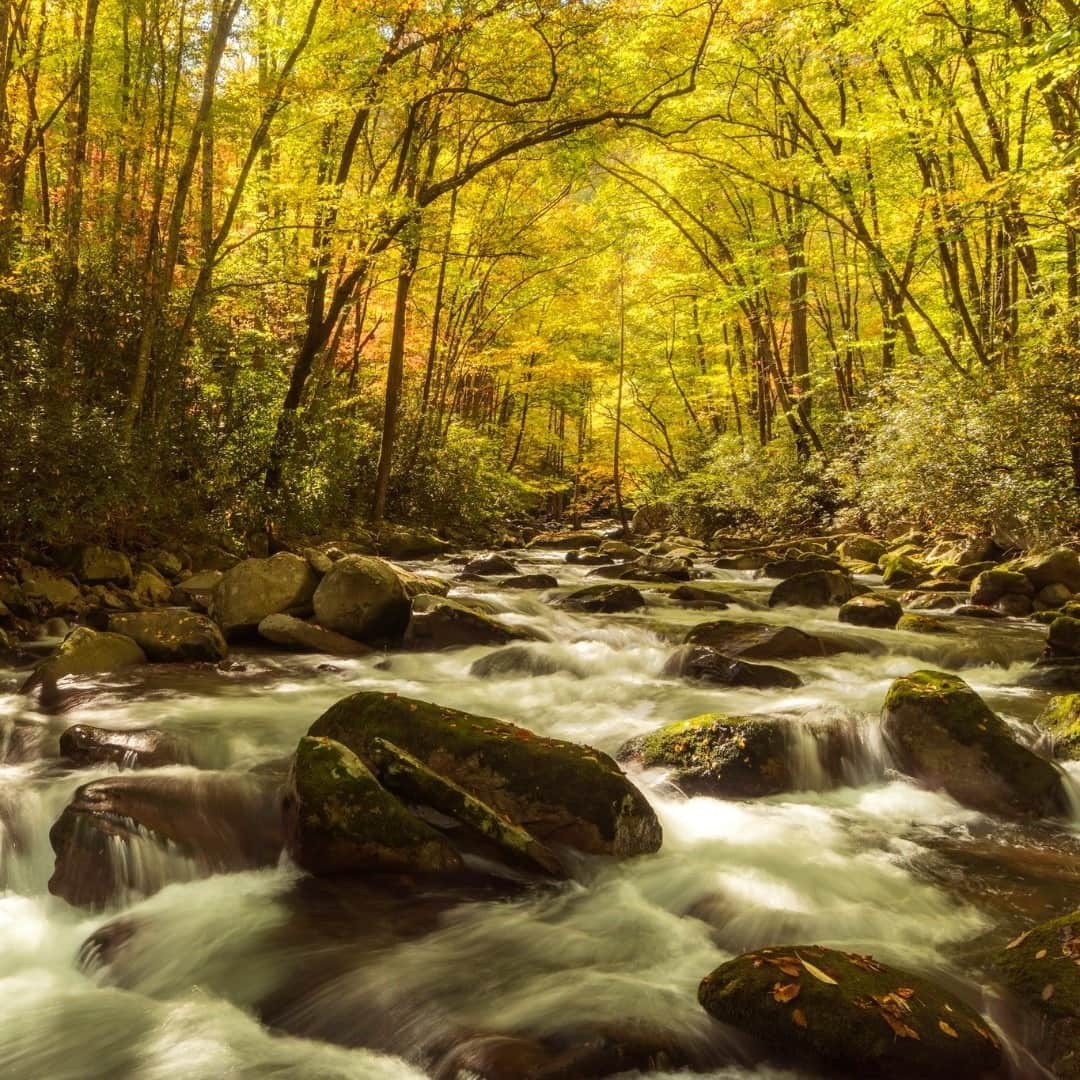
1063,638
924,624
817,588
529,581
882,612
942,733
702,596
841,1013
734,756
489,566
172,635
363,598
518,660
146,748
255,588
1042,967
340,819
705,664
440,623
765,641
560,792
606,599
800,564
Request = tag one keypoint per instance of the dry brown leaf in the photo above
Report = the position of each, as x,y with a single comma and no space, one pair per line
896,1005
792,970
1047,992
904,992
1018,940
1040,954
818,973
798,1018
948,1029
898,1026
985,1033
867,963
785,992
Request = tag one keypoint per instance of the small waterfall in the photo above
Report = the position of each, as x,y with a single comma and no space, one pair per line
844,751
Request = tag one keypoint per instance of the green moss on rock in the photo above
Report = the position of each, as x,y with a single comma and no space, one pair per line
850,1015
941,732
924,624
1061,718
713,754
559,791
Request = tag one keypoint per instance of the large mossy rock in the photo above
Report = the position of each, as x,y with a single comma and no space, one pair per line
605,599
881,612
131,835
560,792
703,664
255,588
861,548
48,593
838,1013
199,589
98,566
85,652
763,641
340,819
899,568
1063,638
441,623
1061,718
363,598
489,566
818,588
992,586
292,633
570,541
917,623
729,756
798,564
943,734
1042,967
172,635
1058,567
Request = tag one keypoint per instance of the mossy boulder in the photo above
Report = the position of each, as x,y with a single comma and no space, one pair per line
149,587
924,624
799,564
441,623
516,661
729,756
656,568
702,595
605,599
1061,718
943,734
560,792
818,588
1042,967
98,565
570,541
991,586
1058,567
529,581
861,549
85,652
48,593
340,819
363,598
198,589
764,641
899,568
172,635
255,588
840,1013
1064,637
703,664
489,566
870,609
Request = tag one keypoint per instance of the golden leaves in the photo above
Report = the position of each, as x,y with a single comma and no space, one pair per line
1018,941
948,1029
785,992
798,1018
817,972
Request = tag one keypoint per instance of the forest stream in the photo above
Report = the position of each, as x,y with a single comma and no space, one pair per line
270,972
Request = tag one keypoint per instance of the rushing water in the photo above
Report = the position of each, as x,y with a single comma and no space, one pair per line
266,973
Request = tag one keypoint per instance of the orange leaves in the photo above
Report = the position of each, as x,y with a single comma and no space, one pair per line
1018,941
798,1018
785,992
948,1029
817,972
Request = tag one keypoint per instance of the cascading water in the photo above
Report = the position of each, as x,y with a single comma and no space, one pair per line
266,972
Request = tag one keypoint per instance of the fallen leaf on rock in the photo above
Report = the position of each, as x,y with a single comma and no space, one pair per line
904,992
818,973
867,963
1040,954
798,1018
785,992
1047,992
1018,940
948,1029
898,1026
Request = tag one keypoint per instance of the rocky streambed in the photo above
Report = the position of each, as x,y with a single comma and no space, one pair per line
839,847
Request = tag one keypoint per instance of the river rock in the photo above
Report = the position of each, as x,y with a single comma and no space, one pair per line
942,733
131,835
918,623
697,595
145,748
917,600
1056,674
728,756
293,633
801,564
588,558
529,581
560,792
898,569
658,568
861,548
571,541
703,664
420,584
100,566
255,588
1051,597
22,741
406,542
1058,567
85,652
50,593
620,549
761,641
978,611
489,566
149,587
164,562
440,623
1061,719
172,635
871,609
607,599
1042,967
1063,638
991,586
837,1013
516,661
199,588
816,588
340,819
319,561
363,598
